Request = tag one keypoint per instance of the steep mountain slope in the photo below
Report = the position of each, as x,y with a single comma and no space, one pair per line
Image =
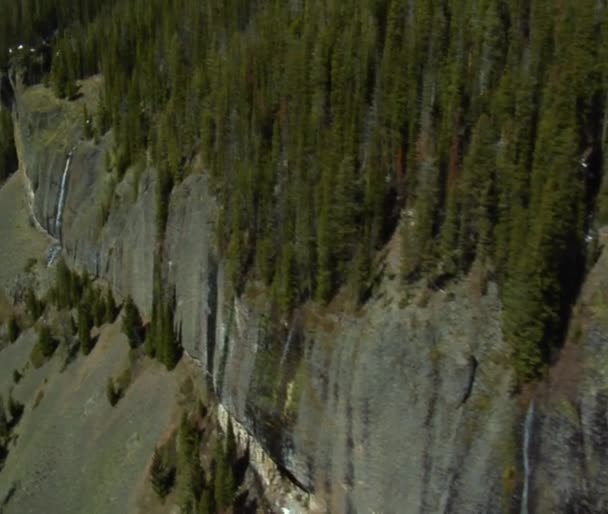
406,405
377,225
74,452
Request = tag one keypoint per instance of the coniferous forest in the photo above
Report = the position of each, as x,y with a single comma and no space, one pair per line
473,129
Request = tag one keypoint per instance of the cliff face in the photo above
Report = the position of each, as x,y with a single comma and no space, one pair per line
405,406
569,448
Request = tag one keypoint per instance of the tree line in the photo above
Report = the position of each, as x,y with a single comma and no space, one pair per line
477,127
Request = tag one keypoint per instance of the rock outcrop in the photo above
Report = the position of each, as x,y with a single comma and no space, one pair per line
400,407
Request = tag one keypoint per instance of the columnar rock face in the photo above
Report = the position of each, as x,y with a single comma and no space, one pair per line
393,410
192,264
403,406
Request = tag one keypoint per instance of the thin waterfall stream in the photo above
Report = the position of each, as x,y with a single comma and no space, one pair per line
526,457
62,193
55,250
287,345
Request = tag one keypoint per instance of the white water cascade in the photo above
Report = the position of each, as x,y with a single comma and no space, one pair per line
526,457
61,201
55,249
287,345
31,200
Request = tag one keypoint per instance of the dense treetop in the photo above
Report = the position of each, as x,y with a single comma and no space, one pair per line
479,123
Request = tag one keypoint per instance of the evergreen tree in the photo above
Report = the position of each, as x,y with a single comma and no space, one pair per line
62,284
13,329
85,323
224,480
231,448
190,472
477,193
4,431
45,341
162,476
206,505
15,409
59,78
8,151
132,324
169,340
99,308
113,393
87,122
419,229
111,308
325,276
33,305
288,286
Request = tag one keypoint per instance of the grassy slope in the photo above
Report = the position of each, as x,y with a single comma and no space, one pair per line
58,120
19,239
74,453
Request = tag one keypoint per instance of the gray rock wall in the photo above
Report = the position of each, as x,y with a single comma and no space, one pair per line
393,410
192,265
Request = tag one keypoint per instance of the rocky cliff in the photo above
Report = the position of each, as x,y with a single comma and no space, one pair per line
406,405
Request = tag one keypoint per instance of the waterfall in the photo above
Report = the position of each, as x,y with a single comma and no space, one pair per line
31,201
526,457
53,254
61,201
287,345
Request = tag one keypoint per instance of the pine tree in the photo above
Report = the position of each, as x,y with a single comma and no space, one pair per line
229,485
87,122
4,431
206,505
346,215
63,286
162,476
324,251
13,329
231,447
99,308
15,409
151,345
451,258
361,272
132,323
45,341
85,324
221,495
224,480
34,306
113,393
8,151
111,308
288,286
477,192
59,78
190,472
170,340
